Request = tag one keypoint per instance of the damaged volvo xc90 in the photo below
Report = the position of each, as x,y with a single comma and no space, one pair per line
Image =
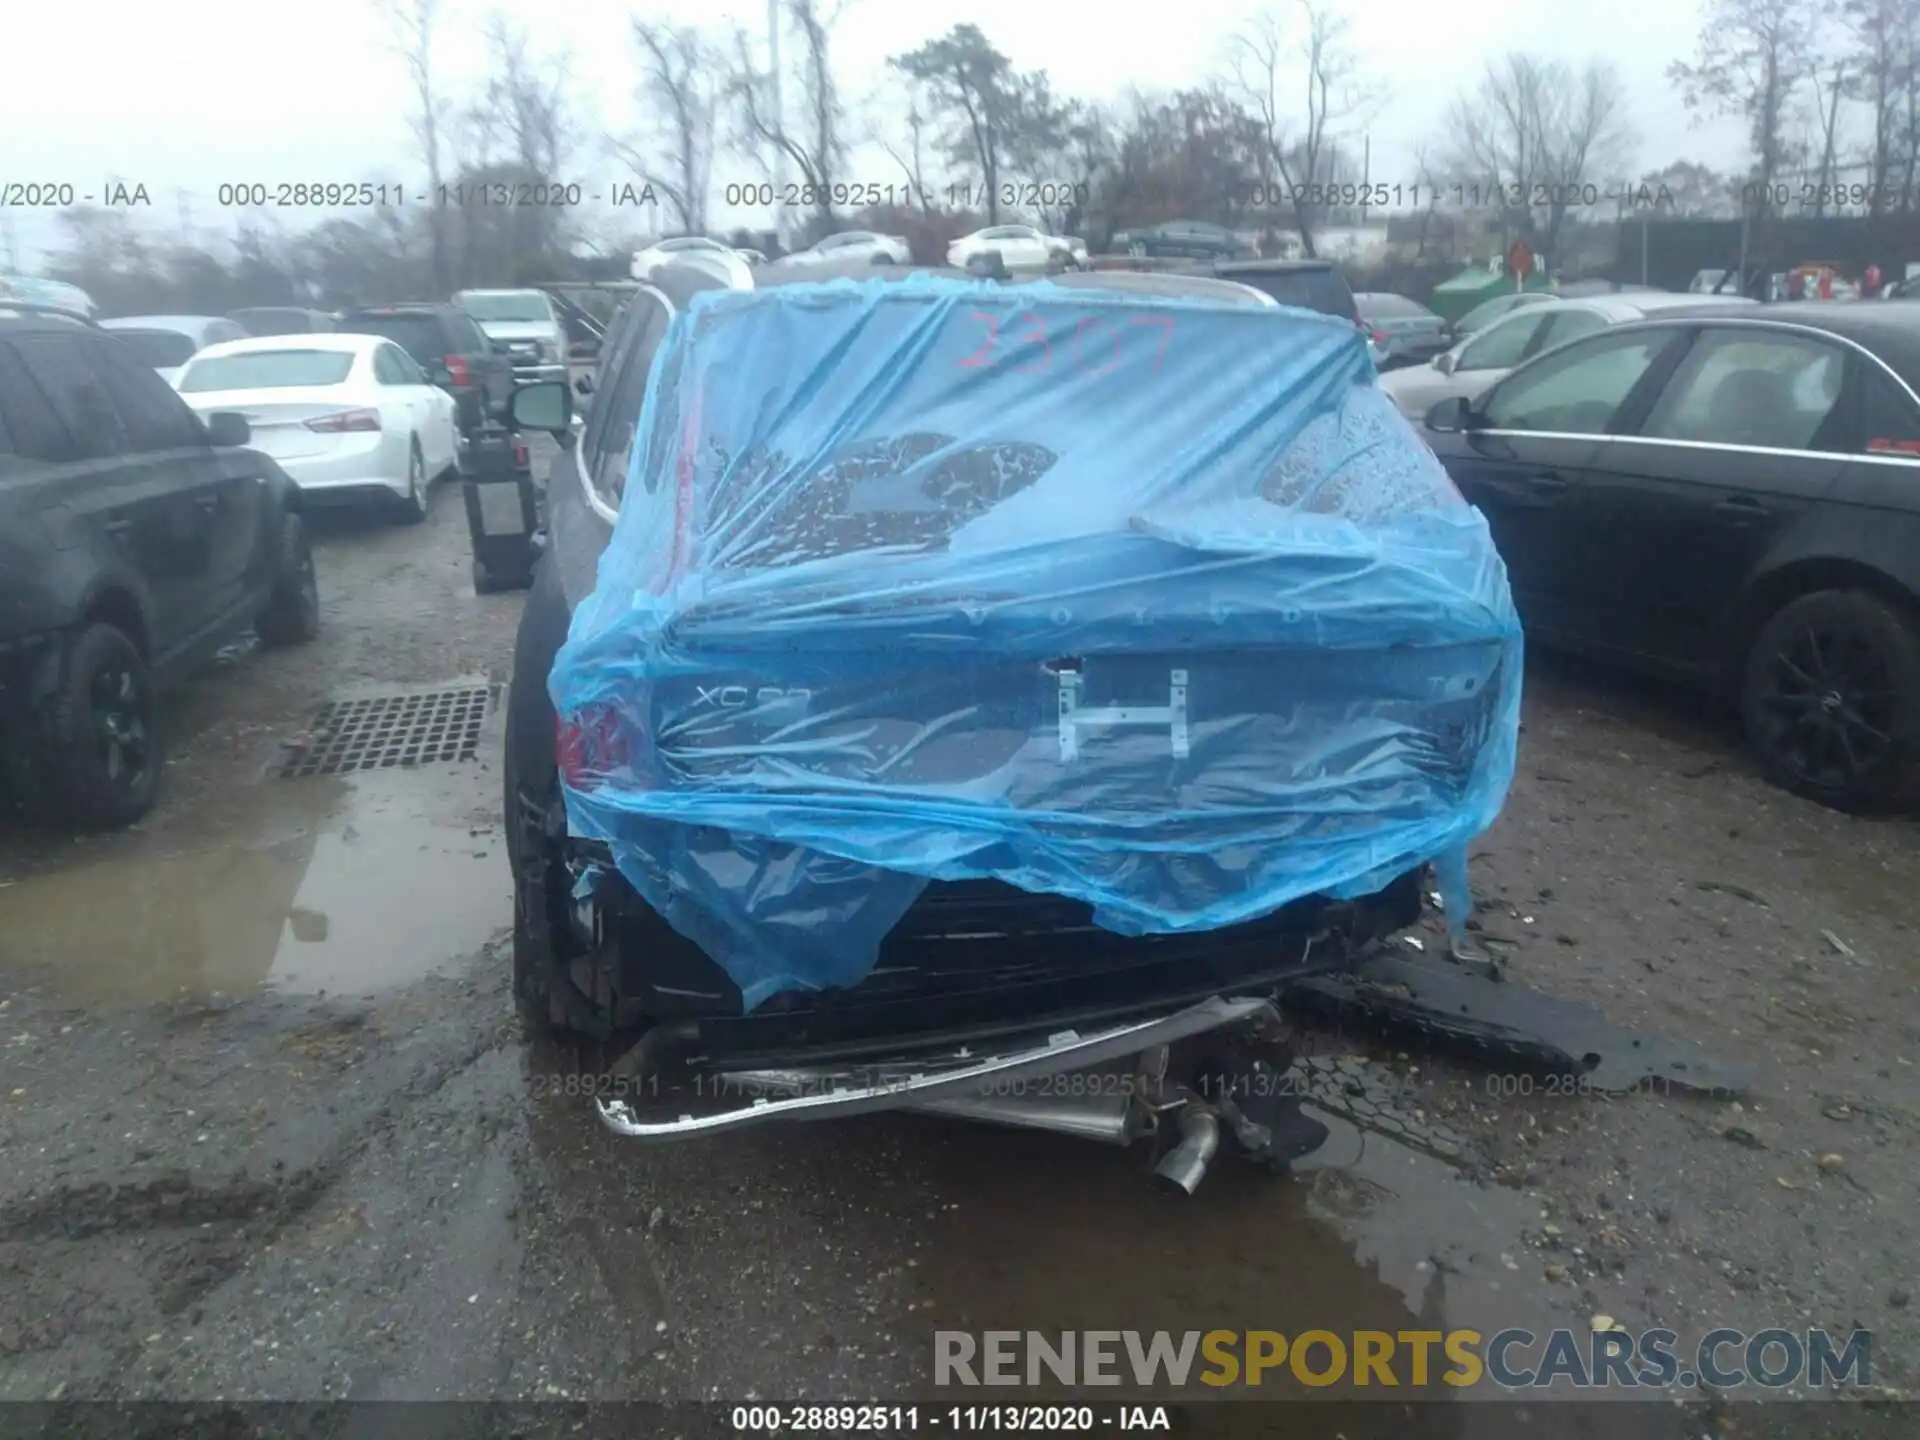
932,687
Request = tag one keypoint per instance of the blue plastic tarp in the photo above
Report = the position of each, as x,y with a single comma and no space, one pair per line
1154,603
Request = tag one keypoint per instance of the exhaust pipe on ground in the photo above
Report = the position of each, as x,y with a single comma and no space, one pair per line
1185,1166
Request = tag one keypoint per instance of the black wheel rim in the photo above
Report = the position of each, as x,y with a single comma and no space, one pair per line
119,713
1828,705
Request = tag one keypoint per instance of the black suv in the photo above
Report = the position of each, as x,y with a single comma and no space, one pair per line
134,541
1303,284
454,352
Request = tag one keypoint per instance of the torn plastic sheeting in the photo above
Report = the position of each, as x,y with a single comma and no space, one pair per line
1154,603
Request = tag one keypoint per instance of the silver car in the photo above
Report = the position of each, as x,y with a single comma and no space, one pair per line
167,342
1473,365
1401,331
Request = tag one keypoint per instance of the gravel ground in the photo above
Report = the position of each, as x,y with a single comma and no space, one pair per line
272,1130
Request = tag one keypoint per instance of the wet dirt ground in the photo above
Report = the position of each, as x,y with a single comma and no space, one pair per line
271,1129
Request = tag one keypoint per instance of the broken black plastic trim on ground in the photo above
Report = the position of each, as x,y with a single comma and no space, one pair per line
1449,1004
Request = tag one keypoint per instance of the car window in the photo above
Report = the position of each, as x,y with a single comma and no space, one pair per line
402,365
1391,307
159,349
1576,391
1752,387
29,416
154,416
467,338
416,332
609,432
1565,326
266,370
1889,420
222,331
1309,289
513,307
65,375
1501,344
386,367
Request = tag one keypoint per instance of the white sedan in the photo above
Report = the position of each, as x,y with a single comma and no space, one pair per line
665,252
346,416
1021,250
863,246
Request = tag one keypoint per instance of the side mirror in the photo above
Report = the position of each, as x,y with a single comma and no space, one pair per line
1444,362
1450,416
228,429
545,405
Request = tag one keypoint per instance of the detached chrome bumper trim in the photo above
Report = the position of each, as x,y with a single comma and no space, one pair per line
906,1088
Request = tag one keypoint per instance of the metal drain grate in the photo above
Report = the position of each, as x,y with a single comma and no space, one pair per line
388,731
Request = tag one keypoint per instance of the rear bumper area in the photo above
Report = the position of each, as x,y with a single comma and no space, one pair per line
946,1080
970,963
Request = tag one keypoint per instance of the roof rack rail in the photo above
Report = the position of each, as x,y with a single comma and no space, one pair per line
9,305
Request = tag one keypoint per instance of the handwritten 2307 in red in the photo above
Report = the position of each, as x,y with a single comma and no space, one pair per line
1097,345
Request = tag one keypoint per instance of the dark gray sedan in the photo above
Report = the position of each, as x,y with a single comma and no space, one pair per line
1404,331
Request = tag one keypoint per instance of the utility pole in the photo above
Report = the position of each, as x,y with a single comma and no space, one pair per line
779,125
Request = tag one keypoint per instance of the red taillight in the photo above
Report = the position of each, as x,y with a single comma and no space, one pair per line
457,372
1379,337
590,747
343,420
521,454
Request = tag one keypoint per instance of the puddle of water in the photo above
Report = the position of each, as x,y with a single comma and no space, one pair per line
343,887
1048,1234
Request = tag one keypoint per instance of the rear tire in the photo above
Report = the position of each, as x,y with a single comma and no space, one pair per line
1831,698
543,986
100,737
413,505
292,613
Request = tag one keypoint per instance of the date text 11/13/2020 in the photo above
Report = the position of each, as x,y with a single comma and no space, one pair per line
885,1419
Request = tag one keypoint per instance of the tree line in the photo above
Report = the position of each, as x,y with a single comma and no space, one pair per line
1274,140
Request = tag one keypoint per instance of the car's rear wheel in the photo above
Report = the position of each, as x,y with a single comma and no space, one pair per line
101,735
292,612
413,505
544,987
1831,697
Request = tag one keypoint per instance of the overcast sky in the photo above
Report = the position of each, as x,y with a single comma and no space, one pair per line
184,96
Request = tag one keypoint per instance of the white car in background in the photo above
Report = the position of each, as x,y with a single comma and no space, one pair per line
165,343
348,417
1020,249
1473,366
859,246
665,252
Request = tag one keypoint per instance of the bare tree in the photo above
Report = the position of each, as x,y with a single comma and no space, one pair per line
1753,57
906,98
815,143
679,99
1886,55
411,25
528,97
1265,70
1530,136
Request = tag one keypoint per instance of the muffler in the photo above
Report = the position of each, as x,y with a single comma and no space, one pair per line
1185,1165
